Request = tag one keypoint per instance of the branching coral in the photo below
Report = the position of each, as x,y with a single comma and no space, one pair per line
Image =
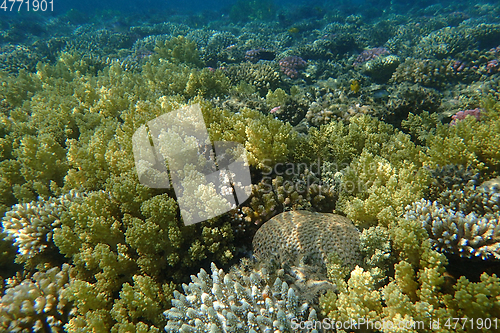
222,302
380,189
31,226
35,304
415,295
469,143
178,50
462,221
453,232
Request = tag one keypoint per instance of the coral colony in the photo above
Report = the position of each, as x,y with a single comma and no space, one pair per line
371,137
290,65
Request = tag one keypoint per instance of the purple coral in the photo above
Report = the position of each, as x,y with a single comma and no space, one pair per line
461,115
370,54
290,64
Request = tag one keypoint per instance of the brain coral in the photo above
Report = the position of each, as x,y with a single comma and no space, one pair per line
295,235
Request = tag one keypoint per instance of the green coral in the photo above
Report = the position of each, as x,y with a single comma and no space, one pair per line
469,143
178,50
416,293
384,171
125,243
276,98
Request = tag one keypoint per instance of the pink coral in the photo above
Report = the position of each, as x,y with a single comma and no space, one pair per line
289,66
370,54
461,115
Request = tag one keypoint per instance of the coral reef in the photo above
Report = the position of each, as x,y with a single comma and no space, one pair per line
255,55
460,115
418,290
84,246
381,68
370,54
263,77
31,226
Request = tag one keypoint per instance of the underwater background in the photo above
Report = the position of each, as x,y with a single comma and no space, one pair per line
372,136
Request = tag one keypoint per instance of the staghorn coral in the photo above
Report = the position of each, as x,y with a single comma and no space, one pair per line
456,233
31,226
297,236
36,304
224,302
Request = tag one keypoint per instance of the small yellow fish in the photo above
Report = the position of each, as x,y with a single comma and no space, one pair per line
293,30
355,86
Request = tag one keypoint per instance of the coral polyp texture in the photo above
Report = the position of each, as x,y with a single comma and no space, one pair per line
453,232
296,236
225,302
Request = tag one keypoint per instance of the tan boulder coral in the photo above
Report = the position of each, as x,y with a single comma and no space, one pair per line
296,236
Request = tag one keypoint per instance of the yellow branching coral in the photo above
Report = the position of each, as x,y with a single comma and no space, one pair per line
144,299
469,142
339,143
178,49
416,294
359,299
267,140
381,190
